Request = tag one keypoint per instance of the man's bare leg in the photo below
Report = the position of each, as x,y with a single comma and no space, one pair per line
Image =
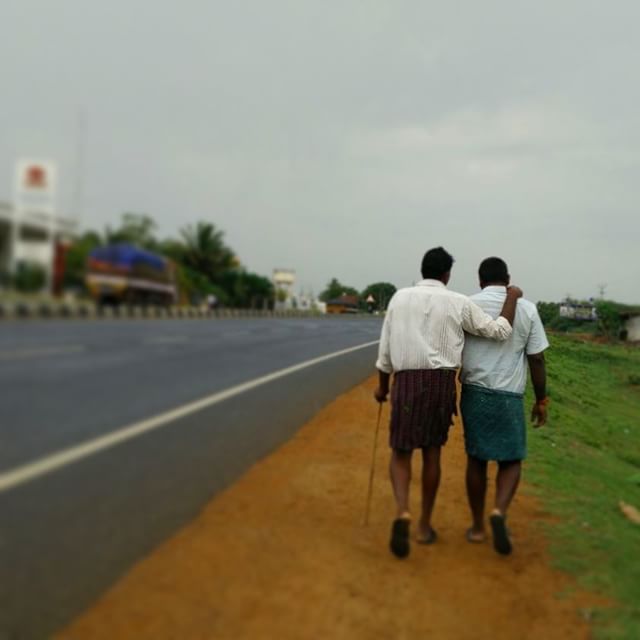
507,482
430,484
400,472
476,492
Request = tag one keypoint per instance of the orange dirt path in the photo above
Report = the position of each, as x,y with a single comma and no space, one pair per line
283,554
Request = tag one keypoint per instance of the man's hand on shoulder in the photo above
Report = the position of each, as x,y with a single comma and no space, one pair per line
514,292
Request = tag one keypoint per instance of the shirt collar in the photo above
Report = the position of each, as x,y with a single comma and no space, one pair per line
428,282
498,288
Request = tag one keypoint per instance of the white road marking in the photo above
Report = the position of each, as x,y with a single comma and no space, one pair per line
48,464
37,352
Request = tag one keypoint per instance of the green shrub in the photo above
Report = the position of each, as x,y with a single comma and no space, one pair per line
29,277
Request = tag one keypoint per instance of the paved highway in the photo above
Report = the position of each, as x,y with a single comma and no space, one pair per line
113,434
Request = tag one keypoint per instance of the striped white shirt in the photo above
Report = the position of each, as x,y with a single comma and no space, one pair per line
424,328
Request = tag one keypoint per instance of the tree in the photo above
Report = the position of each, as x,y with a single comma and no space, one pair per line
335,289
75,259
382,292
205,251
194,286
609,320
246,289
135,228
549,312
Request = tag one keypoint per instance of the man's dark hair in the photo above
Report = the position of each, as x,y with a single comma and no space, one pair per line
436,263
493,270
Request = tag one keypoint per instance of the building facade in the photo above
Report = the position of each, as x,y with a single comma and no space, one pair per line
32,234
31,240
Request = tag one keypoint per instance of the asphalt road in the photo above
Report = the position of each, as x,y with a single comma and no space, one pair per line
70,529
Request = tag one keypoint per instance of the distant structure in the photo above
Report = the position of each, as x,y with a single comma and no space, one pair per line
577,310
308,302
343,304
31,232
283,282
371,301
630,329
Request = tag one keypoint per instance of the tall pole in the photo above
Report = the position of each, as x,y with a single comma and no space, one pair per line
81,148
14,231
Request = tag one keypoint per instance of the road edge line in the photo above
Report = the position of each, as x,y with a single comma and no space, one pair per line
48,464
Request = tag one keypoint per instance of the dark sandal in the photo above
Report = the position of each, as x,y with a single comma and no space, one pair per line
501,542
399,543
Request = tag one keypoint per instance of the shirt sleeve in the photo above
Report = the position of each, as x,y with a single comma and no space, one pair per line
476,321
537,341
383,363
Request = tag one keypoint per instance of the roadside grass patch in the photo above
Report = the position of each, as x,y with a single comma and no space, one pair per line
583,463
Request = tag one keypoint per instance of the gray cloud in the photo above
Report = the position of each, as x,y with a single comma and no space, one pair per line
345,138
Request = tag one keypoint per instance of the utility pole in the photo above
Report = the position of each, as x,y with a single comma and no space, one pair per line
81,148
602,287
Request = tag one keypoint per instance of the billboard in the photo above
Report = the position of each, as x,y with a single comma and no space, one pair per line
35,189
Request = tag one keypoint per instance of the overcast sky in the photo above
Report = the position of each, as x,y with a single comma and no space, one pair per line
344,138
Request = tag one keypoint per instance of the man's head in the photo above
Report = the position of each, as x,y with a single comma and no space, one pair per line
493,271
436,265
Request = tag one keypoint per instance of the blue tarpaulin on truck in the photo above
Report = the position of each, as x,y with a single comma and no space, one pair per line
126,255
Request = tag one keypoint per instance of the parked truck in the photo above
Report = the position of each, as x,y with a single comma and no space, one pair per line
124,274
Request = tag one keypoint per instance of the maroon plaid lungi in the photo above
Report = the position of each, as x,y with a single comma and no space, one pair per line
423,403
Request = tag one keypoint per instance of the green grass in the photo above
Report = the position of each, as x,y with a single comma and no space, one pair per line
583,463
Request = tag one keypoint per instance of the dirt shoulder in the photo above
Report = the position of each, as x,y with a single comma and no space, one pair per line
283,554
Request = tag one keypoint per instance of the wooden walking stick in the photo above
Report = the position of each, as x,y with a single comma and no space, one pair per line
373,466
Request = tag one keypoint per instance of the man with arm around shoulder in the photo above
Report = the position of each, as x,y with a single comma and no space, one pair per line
421,346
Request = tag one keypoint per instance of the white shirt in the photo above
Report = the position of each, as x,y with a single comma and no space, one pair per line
503,365
424,328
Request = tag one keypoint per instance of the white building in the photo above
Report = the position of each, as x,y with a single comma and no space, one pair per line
30,229
308,302
631,326
284,281
578,310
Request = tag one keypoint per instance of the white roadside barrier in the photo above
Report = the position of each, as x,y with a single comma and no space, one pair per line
85,310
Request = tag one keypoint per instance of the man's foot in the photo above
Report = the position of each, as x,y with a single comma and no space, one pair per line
426,533
501,541
426,537
399,543
474,536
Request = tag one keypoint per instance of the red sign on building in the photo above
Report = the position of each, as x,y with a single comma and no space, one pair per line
35,177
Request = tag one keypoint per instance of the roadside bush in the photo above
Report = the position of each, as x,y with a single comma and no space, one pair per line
549,312
609,321
5,279
29,277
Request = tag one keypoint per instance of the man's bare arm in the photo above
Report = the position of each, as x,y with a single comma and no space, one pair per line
480,323
538,372
509,307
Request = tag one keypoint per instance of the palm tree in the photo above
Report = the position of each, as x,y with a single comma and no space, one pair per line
205,250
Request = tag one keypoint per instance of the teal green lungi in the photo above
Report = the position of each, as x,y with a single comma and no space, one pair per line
494,424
